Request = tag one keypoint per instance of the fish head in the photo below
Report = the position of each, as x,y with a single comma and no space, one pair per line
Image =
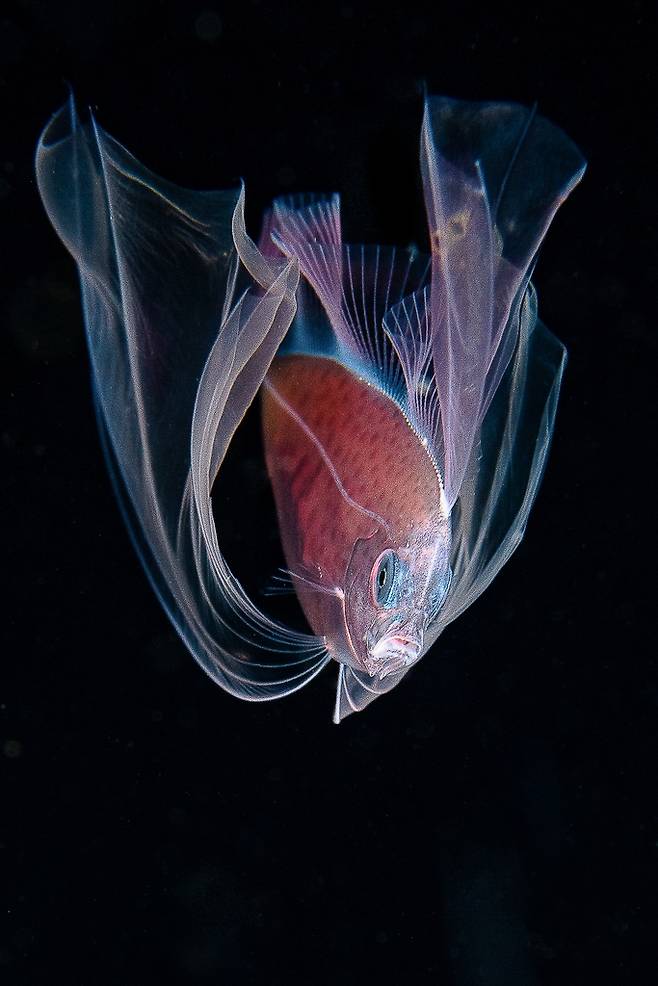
394,589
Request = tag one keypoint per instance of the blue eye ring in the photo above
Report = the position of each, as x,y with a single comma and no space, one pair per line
383,578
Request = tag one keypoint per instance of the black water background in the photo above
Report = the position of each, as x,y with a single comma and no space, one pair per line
493,820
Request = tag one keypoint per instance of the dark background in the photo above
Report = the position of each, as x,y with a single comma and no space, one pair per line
492,821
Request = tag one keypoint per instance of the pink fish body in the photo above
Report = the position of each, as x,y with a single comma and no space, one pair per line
353,485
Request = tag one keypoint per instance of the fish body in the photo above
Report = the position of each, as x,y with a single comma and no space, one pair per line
352,481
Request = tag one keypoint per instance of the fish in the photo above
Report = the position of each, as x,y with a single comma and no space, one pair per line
408,397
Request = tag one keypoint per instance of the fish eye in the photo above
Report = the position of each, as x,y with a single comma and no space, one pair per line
383,577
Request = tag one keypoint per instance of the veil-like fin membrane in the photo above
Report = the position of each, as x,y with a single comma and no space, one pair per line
506,467
356,689
177,354
494,175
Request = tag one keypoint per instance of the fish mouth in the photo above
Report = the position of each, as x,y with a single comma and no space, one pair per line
392,653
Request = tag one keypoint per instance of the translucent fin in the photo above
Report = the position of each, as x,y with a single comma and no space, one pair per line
506,467
177,356
494,174
408,326
356,285
355,690
279,585
309,219
500,485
